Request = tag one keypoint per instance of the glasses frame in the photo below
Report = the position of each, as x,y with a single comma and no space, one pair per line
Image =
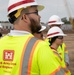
60,37
33,13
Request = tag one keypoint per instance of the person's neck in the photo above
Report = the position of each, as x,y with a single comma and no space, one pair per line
22,29
54,46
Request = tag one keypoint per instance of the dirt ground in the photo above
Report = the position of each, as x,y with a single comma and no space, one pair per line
69,40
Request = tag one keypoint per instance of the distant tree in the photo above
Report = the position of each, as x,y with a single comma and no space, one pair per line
65,20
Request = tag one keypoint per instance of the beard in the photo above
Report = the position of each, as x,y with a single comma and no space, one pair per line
35,26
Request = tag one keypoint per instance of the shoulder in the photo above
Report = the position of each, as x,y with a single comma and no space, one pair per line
63,44
43,48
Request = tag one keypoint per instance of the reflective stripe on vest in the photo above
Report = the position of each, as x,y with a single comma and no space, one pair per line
61,72
26,64
56,53
27,58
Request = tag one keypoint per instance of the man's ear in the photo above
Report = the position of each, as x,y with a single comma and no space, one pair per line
25,18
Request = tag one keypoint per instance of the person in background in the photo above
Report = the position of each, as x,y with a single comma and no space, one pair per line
56,36
1,31
20,52
40,33
0,35
55,20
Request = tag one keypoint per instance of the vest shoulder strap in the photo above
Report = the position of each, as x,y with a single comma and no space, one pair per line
27,54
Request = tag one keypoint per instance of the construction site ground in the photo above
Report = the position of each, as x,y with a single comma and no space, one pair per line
69,40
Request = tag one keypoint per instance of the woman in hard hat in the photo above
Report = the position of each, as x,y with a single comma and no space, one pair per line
55,20
55,36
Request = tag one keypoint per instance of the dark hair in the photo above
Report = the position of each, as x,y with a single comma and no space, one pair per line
12,18
0,34
52,40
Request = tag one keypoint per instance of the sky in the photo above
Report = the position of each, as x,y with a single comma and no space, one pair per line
52,7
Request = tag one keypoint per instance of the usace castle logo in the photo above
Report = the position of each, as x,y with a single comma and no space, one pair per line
8,55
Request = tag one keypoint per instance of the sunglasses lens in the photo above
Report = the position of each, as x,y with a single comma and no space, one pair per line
60,37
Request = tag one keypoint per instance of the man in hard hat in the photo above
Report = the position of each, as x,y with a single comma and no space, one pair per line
40,33
55,20
20,52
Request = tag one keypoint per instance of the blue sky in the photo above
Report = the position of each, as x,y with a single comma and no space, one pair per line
52,7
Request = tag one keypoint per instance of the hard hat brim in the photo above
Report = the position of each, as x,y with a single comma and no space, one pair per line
57,23
42,28
40,7
56,35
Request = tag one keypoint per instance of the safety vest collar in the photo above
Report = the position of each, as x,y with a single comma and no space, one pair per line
18,33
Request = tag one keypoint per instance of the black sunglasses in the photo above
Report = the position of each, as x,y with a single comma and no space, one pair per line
33,13
60,37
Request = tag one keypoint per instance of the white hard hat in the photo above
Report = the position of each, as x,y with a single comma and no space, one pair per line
54,19
42,28
55,31
18,4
